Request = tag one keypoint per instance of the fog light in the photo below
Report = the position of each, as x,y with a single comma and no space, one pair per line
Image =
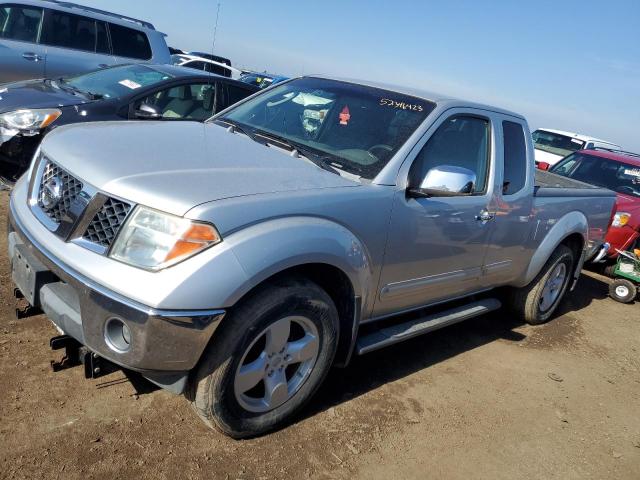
117,335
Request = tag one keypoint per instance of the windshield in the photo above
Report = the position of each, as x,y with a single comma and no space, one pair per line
117,81
353,127
602,172
556,143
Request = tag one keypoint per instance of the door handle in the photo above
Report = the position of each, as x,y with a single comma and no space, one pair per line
31,56
485,216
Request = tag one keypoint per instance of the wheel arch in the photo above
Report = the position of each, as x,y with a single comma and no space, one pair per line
570,230
317,249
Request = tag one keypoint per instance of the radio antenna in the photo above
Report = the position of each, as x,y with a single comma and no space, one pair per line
215,30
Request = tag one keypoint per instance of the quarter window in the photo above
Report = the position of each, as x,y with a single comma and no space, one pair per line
461,141
129,43
69,31
236,94
20,23
515,158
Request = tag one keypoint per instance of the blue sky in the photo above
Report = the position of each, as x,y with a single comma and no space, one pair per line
566,64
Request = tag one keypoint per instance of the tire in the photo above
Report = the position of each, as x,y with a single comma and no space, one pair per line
533,303
623,290
609,269
247,341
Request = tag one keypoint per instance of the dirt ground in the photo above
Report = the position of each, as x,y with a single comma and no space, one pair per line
489,398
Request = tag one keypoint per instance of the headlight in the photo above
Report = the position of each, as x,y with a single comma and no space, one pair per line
620,219
154,240
30,121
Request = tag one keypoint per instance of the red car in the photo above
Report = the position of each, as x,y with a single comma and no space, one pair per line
618,171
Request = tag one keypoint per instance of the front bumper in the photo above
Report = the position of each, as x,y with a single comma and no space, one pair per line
164,346
19,150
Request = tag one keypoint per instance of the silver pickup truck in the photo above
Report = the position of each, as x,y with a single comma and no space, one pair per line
237,261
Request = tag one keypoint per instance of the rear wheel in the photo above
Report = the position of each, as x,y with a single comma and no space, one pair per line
267,360
622,290
536,302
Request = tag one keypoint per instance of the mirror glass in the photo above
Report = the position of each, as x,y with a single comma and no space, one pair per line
147,111
448,180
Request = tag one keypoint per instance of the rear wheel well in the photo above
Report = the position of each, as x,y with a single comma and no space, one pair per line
338,286
576,243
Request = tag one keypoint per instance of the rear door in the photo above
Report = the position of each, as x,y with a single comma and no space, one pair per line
75,44
511,241
21,57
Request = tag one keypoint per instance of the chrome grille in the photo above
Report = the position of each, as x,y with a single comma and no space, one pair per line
67,189
105,224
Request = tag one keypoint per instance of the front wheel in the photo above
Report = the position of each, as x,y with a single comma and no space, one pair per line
622,290
536,302
267,360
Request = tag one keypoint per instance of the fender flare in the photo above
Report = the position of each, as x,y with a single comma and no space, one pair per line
273,246
571,223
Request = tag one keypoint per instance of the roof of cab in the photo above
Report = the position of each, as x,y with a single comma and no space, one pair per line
446,100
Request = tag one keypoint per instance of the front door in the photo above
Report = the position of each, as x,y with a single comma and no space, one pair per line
436,245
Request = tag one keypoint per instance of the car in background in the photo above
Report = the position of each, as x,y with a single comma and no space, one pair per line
51,39
30,109
205,65
210,56
553,145
261,80
618,171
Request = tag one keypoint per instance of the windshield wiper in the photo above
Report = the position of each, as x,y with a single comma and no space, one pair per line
67,86
236,127
317,158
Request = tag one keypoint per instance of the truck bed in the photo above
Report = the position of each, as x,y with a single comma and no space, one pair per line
551,185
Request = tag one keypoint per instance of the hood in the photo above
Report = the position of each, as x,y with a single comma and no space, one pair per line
35,94
175,166
550,158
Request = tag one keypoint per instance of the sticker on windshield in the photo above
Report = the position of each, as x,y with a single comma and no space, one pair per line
129,84
579,142
633,172
345,116
414,107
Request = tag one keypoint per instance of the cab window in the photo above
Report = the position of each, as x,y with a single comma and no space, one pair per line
515,158
461,141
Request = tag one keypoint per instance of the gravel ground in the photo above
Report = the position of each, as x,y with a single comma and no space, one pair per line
489,398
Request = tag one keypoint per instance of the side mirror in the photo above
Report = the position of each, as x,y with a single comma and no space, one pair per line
147,112
445,181
543,165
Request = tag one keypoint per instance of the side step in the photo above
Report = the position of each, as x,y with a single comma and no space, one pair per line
404,331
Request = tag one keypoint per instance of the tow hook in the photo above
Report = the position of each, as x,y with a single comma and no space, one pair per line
77,354
25,311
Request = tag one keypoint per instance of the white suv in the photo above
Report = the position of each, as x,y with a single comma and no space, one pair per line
553,145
